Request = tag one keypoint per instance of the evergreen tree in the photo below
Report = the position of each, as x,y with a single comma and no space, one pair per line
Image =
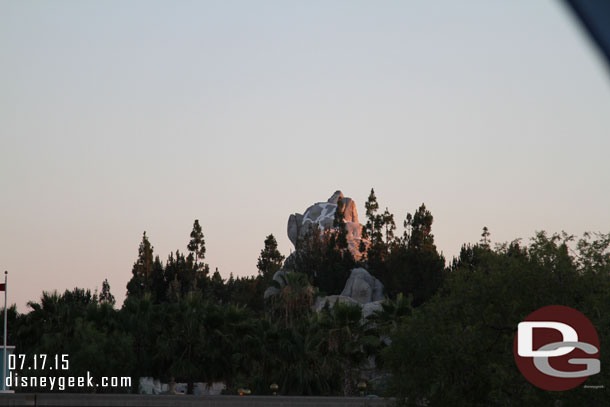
389,226
270,259
485,238
183,275
378,248
159,283
196,248
415,267
340,235
371,206
326,266
197,243
421,237
106,296
140,282
217,289
372,229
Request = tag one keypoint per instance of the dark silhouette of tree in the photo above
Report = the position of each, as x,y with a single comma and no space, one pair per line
339,237
414,267
389,226
270,259
140,282
420,226
372,228
325,264
106,296
485,238
485,296
196,248
159,284
197,243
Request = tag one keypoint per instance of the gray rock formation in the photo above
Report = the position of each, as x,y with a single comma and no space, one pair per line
360,289
363,287
280,278
323,214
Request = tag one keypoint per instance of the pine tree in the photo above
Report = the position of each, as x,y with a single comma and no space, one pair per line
407,232
376,227
196,248
339,225
371,206
421,236
485,238
217,289
106,296
197,243
159,283
389,225
270,259
140,282
181,269
415,267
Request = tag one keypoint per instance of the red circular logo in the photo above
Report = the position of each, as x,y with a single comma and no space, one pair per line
556,348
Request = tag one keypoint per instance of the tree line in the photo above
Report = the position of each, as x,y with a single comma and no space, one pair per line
443,337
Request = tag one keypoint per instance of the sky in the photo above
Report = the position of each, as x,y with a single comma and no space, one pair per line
119,117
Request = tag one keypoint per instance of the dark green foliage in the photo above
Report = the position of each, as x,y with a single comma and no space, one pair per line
456,349
270,260
197,243
294,300
373,231
339,238
196,248
74,323
247,291
324,256
142,269
410,265
159,284
419,230
413,272
181,275
217,288
316,354
320,258
485,237
106,296
451,330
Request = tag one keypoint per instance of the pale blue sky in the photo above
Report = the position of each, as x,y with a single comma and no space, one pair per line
123,116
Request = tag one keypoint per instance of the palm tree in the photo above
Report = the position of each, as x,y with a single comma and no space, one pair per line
295,297
392,312
350,340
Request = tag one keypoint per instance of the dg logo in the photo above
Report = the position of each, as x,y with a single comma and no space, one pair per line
556,348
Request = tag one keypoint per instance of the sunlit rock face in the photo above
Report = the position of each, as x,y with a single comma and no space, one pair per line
323,215
361,288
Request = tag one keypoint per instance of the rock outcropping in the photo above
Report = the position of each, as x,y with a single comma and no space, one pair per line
363,287
323,214
280,278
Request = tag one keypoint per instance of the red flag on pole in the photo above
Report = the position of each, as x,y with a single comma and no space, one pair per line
2,287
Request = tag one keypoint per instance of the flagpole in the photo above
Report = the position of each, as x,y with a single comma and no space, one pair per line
4,353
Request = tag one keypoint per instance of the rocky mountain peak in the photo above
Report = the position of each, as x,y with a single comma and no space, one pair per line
322,214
